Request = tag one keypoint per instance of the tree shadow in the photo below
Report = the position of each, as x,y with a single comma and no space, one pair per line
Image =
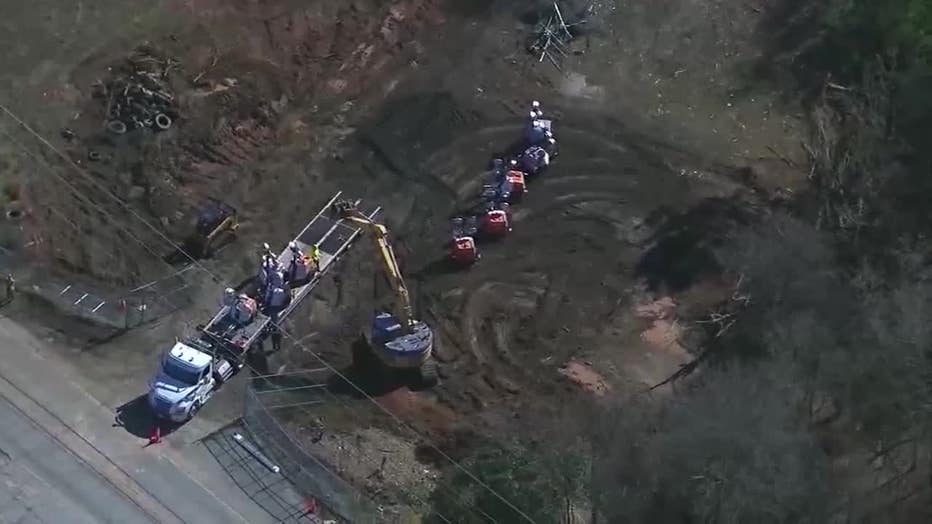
683,247
794,39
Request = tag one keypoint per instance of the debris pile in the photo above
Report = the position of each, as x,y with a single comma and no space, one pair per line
551,39
138,95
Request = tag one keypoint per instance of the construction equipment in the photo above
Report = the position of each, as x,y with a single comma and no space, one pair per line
215,222
463,250
512,186
495,222
494,212
194,368
534,160
397,340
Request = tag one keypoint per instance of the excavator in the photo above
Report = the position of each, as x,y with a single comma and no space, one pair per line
399,342
463,250
217,223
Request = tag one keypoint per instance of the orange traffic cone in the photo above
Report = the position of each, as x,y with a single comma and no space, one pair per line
155,436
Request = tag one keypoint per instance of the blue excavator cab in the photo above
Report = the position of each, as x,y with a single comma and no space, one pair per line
400,347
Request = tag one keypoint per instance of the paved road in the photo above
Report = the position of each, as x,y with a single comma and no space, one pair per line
41,481
171,484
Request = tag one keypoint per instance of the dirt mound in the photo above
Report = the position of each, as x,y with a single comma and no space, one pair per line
585,377
419,409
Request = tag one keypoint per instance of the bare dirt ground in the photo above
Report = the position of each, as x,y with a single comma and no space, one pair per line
664,138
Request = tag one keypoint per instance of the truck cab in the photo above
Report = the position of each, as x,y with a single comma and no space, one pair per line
186,378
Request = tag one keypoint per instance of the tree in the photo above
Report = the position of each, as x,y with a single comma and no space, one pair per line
542,484
734,448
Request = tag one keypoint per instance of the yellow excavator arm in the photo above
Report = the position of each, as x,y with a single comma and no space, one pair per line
404,311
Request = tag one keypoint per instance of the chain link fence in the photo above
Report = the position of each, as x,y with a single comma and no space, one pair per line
307,473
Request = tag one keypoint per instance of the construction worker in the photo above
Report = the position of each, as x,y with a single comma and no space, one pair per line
535,134
315,256
275,300
270,274
229,297
267,251
10,288
536,112
243,311
276,335
538,130
299,266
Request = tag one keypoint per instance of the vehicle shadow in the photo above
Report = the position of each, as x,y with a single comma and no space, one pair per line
367,377
137,419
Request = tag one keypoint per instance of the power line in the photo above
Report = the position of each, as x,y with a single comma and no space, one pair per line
76,191
285,333
106,191
447,491
255,372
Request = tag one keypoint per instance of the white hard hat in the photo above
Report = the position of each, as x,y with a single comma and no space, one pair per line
535,104
552,140
513,162
292,245
229,291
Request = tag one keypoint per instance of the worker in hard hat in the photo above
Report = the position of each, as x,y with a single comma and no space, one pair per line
270,273
276,335
9,285
243,310
229,297
536,112
538,130
315,257
299,266
275,300
536,133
